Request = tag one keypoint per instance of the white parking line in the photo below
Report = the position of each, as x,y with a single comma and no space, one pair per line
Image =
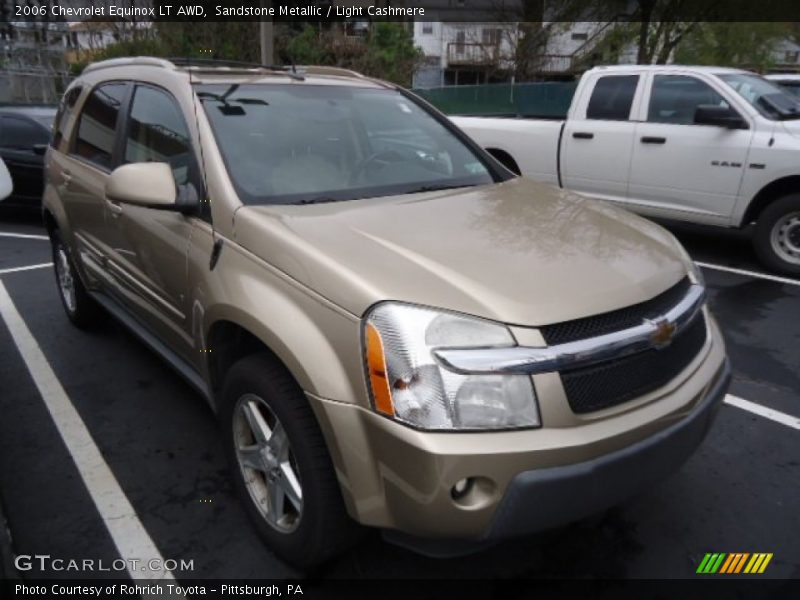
27,268
129,535
763,411
23,236
756,274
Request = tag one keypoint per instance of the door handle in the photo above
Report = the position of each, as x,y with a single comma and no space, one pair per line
67,177
583,135
113,207
653,140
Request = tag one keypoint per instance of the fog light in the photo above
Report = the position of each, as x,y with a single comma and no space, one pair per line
461,488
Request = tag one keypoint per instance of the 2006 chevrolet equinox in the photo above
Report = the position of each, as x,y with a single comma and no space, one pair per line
393,329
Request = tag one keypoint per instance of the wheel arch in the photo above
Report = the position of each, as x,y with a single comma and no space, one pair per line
768,194
294,343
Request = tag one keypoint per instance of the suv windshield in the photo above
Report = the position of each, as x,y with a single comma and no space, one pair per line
769,99
300,144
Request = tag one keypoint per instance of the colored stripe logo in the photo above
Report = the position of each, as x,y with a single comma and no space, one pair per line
734,563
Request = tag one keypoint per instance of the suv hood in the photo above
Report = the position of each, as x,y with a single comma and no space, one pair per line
518,252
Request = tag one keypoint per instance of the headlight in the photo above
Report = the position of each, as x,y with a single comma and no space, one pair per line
409,385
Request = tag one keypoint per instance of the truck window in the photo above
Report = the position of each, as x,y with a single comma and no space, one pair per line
675,98
612,98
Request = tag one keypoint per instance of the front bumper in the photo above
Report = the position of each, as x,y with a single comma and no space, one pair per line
400,480
545,498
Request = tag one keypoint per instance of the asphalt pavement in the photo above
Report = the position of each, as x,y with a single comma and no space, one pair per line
738,493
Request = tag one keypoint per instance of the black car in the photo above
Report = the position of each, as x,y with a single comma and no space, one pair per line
24,135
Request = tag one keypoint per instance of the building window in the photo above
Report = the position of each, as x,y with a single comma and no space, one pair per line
792,56
427,28
461,38
491,36
580,37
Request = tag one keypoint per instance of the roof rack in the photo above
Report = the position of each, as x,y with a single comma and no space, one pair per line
199,63
295,72
149,61
325,70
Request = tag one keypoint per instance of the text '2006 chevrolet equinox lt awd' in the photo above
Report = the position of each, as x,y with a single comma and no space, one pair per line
393,329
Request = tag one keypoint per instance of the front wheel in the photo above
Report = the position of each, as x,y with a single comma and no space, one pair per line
777,235
79,306
281,468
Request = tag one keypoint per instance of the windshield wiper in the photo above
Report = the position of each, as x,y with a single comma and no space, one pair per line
438,188
317,200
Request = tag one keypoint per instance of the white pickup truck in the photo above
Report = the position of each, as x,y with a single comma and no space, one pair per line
708,145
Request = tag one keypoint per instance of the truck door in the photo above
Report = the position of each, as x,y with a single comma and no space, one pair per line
598,139
681,169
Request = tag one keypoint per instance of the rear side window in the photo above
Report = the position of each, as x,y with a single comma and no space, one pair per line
64,112
98,123
675,98
612,98
21,133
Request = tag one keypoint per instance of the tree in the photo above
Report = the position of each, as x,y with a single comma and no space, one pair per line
733,44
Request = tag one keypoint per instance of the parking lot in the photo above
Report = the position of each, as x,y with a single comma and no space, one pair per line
738,493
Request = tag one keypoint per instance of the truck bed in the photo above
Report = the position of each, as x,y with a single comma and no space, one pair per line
510,134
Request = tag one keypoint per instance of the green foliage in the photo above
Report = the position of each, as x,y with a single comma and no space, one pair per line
145,46
305,48
229,40
732,44
390,54
387,51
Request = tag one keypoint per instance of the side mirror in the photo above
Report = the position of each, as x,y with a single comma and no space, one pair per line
719,116
148,184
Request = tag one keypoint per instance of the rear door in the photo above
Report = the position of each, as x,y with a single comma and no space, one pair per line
598,137
80,174
680,169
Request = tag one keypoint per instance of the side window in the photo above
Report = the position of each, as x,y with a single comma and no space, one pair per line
98,124
612,98
675,98
64,112
157,132
21,134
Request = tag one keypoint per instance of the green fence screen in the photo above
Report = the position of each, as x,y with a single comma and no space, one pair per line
549,100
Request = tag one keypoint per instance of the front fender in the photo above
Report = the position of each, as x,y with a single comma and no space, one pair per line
317,341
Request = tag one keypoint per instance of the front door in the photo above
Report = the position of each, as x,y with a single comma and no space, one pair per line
21,147
680,169
149,245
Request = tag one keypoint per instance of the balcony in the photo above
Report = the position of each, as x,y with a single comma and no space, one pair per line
474,54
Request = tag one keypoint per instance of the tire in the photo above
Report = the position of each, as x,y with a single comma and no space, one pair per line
777,235
81,309
317,530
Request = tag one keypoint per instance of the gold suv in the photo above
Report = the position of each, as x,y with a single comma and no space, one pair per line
393,329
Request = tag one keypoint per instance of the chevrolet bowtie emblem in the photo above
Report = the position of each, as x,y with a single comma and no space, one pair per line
663,334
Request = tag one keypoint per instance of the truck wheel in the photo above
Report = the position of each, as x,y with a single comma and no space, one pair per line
280,464
777,235
81,309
